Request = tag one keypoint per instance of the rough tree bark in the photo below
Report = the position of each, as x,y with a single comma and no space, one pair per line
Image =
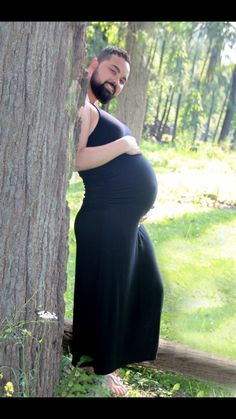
40,70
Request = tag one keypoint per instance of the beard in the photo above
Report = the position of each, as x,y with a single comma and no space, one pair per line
99,90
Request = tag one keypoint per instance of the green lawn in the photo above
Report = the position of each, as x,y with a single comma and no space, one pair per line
193,229
196,253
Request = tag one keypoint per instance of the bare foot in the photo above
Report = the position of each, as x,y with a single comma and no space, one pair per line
116,385
113,382
90,370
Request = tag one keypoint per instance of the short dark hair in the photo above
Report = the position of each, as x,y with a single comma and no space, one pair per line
108,51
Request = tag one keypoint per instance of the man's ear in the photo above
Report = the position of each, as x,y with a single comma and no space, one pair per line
93,64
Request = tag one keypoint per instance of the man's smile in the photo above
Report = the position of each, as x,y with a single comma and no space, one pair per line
108,86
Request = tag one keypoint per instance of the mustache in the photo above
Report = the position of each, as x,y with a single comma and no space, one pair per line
112,85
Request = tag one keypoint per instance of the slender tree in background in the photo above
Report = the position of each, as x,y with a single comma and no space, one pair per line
231,108
220,115
40,68
132,103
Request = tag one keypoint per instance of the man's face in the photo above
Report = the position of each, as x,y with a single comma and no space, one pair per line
109,78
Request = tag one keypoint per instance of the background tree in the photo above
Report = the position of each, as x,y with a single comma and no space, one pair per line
179,79
40,67
141,46
231,108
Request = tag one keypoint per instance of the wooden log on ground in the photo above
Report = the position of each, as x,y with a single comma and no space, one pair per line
181,359
187,361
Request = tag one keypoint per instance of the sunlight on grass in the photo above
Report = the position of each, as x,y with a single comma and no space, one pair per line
196,254
218,182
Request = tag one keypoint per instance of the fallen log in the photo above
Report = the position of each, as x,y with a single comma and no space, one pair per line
181,359
187,361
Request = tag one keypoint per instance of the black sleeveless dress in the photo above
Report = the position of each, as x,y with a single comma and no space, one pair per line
118,287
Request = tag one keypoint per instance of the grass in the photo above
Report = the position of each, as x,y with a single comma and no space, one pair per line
193,229
196,253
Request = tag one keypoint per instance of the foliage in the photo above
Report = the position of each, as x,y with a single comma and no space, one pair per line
140,381
151,382
190,59
8,387
101,34
78,382
17,332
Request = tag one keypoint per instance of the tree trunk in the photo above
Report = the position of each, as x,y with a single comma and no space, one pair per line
233,144
41,64
194,61
165,123
176,116
163,48
206,134
230,109
221,115
205,60
195,118
132,101
165,114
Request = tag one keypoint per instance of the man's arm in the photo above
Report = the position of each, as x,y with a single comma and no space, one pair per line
92,157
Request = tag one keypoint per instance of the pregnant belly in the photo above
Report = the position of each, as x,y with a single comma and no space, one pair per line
139,182
127,181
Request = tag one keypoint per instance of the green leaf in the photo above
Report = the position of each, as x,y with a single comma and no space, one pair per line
84,358
200,394
176,387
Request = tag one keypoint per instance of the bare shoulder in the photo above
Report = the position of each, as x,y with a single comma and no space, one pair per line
94,116
93,109
85,110
90,112
88,116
